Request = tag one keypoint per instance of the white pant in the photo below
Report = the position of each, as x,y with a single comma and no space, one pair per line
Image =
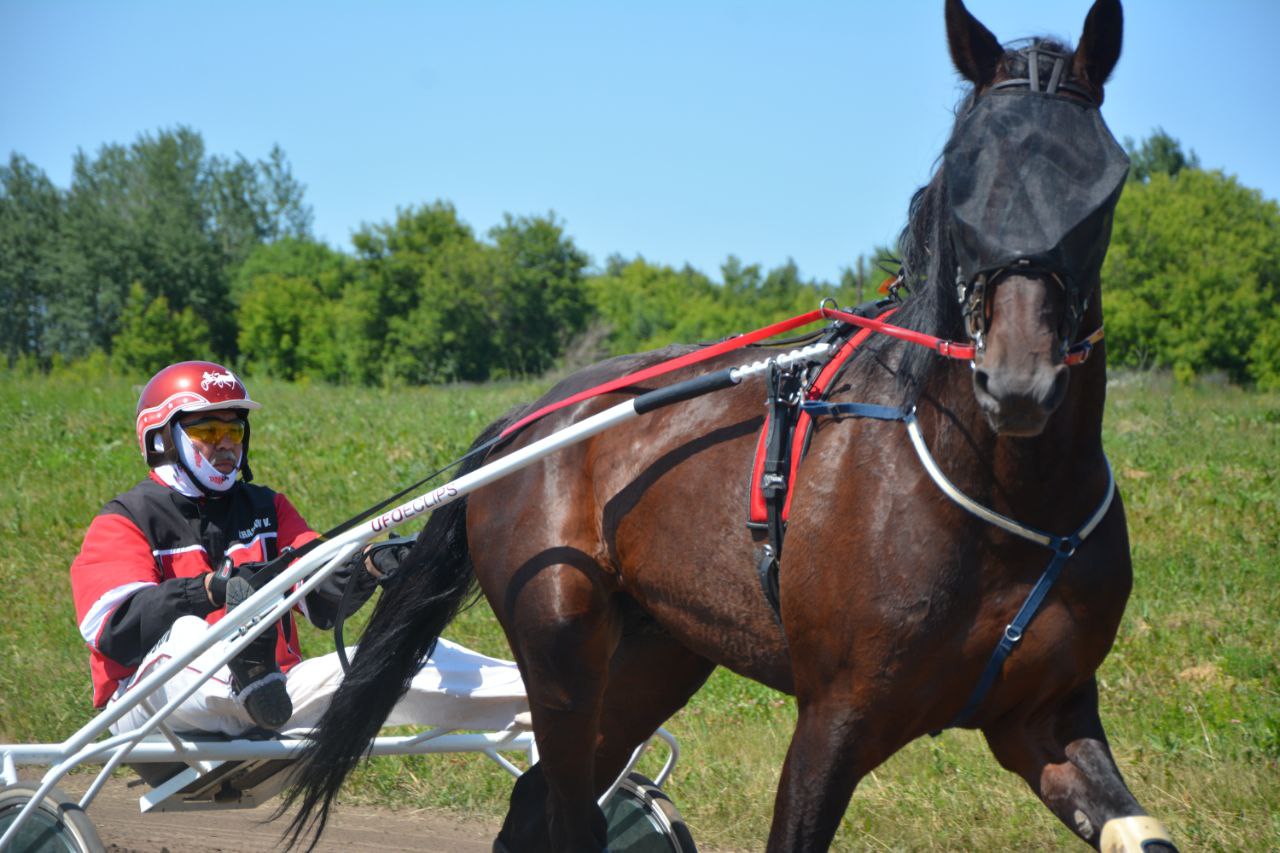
455,688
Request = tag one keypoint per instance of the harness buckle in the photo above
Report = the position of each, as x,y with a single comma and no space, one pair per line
1012,635
973,299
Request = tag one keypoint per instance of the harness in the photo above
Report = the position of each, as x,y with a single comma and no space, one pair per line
784,438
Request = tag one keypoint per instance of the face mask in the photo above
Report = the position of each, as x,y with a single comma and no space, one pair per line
208,478
1033,177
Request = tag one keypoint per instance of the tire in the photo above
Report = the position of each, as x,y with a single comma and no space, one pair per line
642,819
58,824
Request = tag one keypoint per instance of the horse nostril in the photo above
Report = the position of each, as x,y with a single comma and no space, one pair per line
1062,376
980,381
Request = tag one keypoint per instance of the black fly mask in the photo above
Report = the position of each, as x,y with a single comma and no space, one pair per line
1033,176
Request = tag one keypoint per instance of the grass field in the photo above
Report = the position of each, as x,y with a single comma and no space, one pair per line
1191,693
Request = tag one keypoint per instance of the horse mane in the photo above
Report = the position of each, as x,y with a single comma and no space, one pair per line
928,264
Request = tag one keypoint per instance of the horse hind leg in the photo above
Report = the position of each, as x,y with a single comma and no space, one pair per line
1065,759
651,676
562,629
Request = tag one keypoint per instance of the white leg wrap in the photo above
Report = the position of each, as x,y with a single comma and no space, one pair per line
1127,834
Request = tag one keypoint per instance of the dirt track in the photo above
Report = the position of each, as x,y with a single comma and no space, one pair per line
352,830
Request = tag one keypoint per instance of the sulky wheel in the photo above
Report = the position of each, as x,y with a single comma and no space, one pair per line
642,819
58,824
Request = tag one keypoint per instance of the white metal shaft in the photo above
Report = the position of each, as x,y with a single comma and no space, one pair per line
559,439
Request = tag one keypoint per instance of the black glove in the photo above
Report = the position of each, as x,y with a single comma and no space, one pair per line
228,570
387,556
323,602
352,574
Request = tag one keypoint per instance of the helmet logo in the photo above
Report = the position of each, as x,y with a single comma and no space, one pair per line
217,380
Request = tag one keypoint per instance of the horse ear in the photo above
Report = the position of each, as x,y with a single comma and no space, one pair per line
974,50
1099,48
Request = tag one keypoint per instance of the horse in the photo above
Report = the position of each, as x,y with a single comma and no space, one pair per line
622,574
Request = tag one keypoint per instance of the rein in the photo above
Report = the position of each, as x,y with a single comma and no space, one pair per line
1075,354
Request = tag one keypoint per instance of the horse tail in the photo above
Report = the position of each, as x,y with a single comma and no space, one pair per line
433,584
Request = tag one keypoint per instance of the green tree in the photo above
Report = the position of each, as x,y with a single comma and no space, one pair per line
163,213
295,257
741,282
251,203
152,335
420,230
286,325
395,272
34,321
749,298
644,306
1264,355
137,215
447,335
1159,154
1192,278
290,311
392,255
538,300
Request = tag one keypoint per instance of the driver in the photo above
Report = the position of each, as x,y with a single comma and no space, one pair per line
173,554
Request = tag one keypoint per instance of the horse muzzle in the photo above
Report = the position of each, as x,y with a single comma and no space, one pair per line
1019,402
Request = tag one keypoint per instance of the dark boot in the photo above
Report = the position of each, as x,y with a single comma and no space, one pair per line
255,673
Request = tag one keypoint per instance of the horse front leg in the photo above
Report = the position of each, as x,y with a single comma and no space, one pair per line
1065,759
826,760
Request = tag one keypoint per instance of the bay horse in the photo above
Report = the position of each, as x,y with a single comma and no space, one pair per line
622,574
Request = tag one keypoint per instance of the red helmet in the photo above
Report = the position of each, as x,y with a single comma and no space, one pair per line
188,386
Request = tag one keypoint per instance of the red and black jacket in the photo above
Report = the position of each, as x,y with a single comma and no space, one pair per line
143,562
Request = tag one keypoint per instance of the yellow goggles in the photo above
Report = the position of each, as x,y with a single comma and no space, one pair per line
212,430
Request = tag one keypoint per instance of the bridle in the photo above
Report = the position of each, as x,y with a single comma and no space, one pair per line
976,307
973,292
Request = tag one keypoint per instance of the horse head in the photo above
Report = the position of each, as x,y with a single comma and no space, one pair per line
1032,176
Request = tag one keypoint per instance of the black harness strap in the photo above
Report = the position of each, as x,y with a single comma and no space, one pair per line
855,410
781,403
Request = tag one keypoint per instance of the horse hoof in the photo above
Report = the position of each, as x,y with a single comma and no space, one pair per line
1136,834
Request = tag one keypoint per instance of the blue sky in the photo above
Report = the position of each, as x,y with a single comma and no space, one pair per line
680,131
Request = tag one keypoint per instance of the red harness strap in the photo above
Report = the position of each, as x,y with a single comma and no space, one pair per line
948,349
668,366
757,510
